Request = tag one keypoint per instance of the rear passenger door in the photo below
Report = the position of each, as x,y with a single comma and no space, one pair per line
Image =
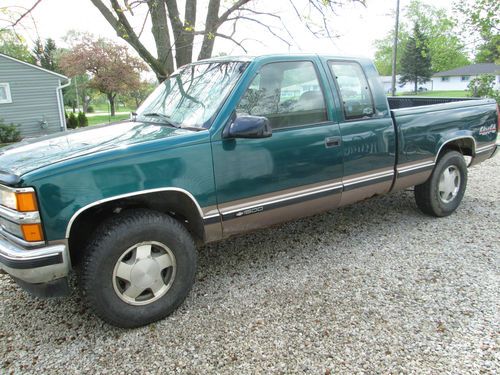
295,172
366,128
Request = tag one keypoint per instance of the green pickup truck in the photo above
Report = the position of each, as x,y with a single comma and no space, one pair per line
222,147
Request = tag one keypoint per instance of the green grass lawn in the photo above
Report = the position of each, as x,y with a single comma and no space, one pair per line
106,119
440,94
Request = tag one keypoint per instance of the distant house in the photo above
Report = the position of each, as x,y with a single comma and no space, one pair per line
459,78
31,97
406,87
455,79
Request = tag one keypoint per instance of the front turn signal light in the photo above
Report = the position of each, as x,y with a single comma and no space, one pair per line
26,202
32,232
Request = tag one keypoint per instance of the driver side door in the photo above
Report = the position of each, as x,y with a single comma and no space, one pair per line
295,172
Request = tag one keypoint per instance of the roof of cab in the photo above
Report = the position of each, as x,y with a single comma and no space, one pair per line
249,58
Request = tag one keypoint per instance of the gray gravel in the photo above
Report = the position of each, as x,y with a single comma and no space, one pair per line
376,287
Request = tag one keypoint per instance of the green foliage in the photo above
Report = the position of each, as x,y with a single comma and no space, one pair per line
482,23
46,55
90,109
15,46
484,86
446,50
383,52
9,133
82,120
489,50
72,121
416,60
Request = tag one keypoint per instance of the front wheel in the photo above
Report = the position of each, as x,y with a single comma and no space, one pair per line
442,193
138,268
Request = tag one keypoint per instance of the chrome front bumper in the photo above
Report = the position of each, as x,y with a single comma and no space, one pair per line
34,266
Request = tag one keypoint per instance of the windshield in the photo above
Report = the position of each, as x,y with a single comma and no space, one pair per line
192,96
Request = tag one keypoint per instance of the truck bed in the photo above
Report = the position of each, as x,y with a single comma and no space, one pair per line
397,102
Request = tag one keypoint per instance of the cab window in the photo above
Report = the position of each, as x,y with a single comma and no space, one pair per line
287,93
356,97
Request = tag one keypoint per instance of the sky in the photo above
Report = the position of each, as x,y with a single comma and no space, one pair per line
357,27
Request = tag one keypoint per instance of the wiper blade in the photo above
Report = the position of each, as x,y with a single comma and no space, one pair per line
163,117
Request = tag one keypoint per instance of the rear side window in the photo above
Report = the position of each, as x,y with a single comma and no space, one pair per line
356,97
287,93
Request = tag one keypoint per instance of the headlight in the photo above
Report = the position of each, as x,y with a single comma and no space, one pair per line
8,198
23,200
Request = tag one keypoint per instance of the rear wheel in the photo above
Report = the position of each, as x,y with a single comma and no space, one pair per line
138,268
442,193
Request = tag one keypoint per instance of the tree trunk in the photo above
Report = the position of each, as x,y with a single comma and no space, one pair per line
211,27
161,36
86,103
183,32
416,82
111,100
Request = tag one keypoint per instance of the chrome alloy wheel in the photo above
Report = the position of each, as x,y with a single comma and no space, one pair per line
144,273
449,184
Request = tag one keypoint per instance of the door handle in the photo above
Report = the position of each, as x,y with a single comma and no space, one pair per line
332,142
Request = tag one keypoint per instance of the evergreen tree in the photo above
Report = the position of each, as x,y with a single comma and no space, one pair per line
45,54
416,60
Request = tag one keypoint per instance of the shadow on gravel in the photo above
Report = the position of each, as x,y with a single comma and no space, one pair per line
239,255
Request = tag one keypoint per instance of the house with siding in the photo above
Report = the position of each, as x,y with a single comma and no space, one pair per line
459,78
31,97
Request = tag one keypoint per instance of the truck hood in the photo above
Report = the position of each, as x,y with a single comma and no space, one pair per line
32,154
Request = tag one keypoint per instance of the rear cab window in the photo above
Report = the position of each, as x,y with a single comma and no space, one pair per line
287,93
356,97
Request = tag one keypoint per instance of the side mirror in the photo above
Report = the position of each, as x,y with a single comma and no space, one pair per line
249,127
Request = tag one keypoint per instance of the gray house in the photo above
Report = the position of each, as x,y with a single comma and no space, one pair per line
31,97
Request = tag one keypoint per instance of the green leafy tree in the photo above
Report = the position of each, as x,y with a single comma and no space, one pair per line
482,27
416,60
489,50
446,49
484,86
383,51
14,45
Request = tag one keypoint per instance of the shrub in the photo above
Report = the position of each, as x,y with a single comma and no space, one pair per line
72,122
9,133
82,120
484,86
90,109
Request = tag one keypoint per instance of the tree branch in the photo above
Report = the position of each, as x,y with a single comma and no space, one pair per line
28,11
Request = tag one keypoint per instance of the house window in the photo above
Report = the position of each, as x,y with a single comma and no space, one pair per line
445,79
465,78
5,93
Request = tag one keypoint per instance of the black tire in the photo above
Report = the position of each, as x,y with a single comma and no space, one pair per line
114,238
428,196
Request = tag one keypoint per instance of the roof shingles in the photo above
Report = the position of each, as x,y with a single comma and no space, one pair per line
471,70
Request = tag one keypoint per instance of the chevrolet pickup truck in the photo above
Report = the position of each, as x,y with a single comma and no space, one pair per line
222,147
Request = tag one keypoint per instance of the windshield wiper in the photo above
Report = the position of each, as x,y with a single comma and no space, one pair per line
163,117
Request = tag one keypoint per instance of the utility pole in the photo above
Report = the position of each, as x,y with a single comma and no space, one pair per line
395,51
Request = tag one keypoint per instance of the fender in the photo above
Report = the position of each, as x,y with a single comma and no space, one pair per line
456,138
135,193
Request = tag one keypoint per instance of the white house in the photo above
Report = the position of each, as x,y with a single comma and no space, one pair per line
459,78
407,87
455,79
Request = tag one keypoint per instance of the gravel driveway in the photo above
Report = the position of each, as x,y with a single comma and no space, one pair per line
376,287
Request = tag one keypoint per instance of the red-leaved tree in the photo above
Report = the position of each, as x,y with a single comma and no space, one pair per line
111,68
